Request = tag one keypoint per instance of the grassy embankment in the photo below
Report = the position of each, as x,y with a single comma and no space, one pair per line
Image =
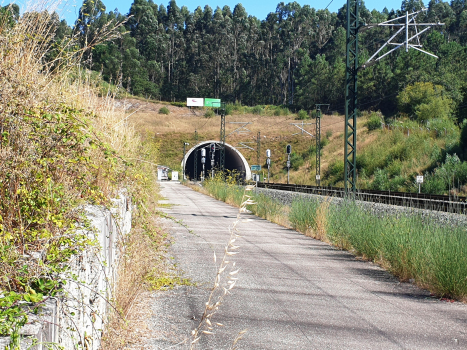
408,245
63,146
387,159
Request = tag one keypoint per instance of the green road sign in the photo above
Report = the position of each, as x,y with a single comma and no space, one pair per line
212,102
255,167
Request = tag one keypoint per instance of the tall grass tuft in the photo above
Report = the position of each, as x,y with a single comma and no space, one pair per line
409,245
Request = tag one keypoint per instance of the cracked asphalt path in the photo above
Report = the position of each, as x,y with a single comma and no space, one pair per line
293,292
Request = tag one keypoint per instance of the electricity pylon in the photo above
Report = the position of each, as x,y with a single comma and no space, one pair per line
222,139
352,67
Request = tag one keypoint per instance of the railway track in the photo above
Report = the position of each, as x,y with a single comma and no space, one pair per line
450,204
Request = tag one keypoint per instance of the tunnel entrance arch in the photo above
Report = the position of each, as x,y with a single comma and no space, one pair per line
234,160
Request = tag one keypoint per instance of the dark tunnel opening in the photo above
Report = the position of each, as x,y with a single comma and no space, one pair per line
233,162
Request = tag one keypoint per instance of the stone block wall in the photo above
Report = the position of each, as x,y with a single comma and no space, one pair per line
77,318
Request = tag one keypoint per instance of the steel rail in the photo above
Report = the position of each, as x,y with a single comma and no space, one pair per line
450,204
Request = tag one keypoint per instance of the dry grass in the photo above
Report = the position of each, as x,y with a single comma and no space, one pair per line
127,329
33,88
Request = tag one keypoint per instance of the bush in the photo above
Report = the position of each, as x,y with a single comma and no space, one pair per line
178,104
336,169
209,113
374,122
164,110
257,110
296,161
302,115
425,101
328,134
229,109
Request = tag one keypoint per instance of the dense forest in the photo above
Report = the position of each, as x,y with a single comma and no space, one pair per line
294,57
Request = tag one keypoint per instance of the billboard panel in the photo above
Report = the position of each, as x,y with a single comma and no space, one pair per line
194,102
212,102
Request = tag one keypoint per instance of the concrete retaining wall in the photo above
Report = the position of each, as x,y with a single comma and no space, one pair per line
77,318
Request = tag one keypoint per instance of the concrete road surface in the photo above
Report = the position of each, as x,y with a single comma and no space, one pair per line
293,292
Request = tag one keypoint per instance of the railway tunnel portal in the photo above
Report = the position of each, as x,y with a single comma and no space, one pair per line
234,160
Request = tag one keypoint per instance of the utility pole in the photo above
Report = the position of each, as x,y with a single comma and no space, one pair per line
184,160
268,160
213,153
350,138
318,142
258,150
352,67
288,151
258,147
222,139
196,157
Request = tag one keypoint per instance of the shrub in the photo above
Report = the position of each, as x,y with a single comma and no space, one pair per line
336,169
164,110
209,113
302,115
178,104
296,161
324,142
374,122
229,109
328,134
257,110
425,101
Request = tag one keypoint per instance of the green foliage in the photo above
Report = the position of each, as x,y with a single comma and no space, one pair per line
257,110
463,140
296,161
209,113
447,176
425,101
336,169
302,115
328,134
412,246
302,213
374,122
164,110
178,104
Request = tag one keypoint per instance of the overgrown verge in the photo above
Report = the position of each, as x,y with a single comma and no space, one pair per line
61,147
410,245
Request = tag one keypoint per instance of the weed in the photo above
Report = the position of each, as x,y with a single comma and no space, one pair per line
164,110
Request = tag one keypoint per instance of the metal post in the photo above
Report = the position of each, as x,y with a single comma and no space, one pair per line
196,157
222,139
268,160
288,167
258,150
350,141
184,160
318,145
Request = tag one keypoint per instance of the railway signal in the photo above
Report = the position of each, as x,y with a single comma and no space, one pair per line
268,160
288,150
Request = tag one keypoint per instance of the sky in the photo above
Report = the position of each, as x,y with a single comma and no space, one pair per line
258,8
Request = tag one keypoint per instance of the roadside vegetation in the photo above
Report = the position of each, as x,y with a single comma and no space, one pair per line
63,145
412,246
